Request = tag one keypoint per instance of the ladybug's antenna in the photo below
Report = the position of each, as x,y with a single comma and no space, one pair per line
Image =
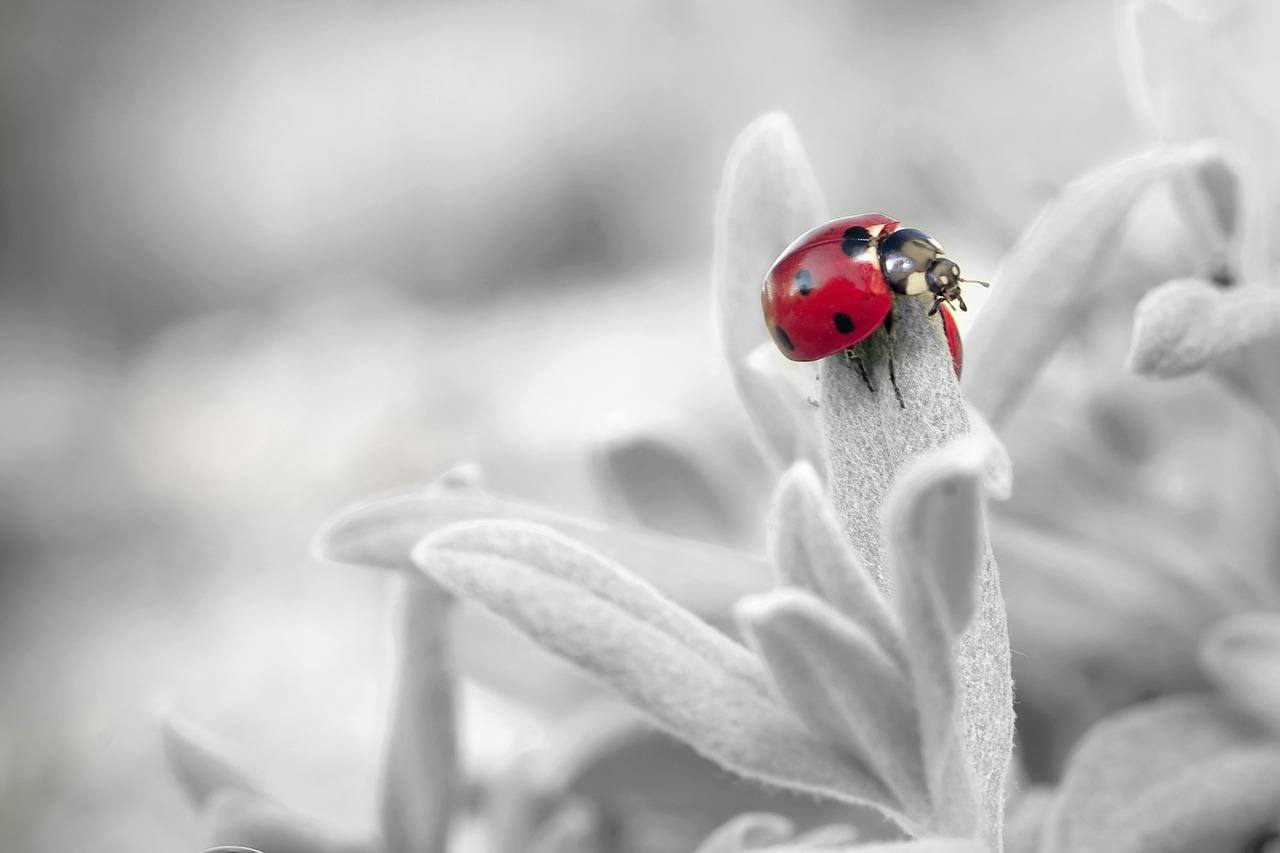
975,281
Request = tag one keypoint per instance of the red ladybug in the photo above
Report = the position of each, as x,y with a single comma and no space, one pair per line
835,285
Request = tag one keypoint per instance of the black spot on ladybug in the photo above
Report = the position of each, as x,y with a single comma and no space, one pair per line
844,323
804,282
783,339
856,241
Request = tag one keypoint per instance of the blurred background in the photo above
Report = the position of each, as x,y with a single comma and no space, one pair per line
260,259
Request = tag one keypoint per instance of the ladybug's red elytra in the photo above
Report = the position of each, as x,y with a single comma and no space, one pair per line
835,285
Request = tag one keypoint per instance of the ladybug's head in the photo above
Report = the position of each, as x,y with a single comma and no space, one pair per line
912,263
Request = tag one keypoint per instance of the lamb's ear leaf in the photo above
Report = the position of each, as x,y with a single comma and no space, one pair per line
1242,655
825,838
1224,802
1128,757
870,436
836,677
382,532
701,689
768,197
202,763
1049,278
750,831
262,824
1189,324
809,551
419,782
924,845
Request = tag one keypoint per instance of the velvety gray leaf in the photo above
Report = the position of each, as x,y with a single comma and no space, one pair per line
700,695
557,556
768,197
663,484
1128,757
419,782
752,831
231,849
1189,73
254,821
1242,655
1048,280
382,532
869,439
1221,803
202,763
935,526
777,393
836,677
1187,325
809,550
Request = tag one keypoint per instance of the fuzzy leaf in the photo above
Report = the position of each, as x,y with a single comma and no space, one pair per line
926,845
752,831
695,683
837,678
231,848
935,525
825,838
1186,325
382,532
1242,655
808,550
869,439
202,763
555,555
263,824
768,197
419,783
1138,755
1049,279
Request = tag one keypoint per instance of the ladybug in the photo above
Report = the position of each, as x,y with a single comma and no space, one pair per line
835,285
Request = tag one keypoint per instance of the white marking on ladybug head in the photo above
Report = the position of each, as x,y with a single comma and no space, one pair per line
917,283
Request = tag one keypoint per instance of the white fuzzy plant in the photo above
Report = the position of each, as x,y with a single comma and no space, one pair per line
876,670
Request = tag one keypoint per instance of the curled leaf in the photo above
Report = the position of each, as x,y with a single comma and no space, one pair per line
419,783
751,831
768,197
1052,275
808,550
202,763
1186,325
693,682
1242,655
574,827
260,823
839,680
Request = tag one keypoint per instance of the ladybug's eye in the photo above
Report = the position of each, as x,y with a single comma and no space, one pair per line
904,252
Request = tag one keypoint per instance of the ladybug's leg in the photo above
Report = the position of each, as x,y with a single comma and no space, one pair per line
893,374
853,356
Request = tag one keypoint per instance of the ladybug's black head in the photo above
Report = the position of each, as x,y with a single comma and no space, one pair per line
912,263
